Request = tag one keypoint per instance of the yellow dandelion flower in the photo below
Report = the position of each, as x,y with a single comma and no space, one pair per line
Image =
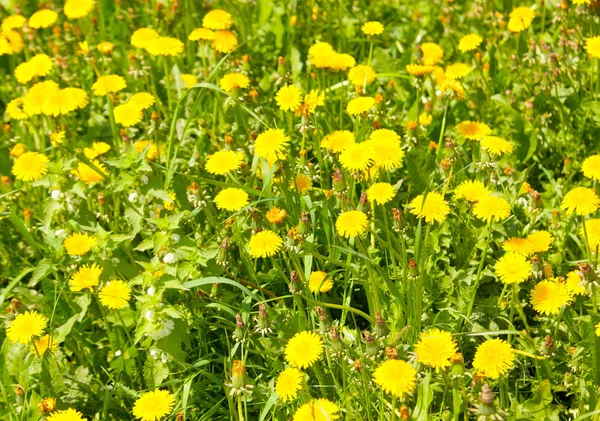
320,55
66,415
457,71
351,224
17,150
472,191
165,46
313,99
34,99
224,41
114,294
150,147
496,145
264,244
520,19
494,358
142,37
26,326
64,101
581,200
86,277
217,19
592,46
90,175
57,138
372,28
224,162
289,98
288,383
591,167
144,100
31,166
469,42
435,348
75,9
452,88
154,405
271,145
381,193
338,141
109,83
396,377
13,22
276,215
38,65
106,47
189,80
520,246
302,183
304,349
473,130
433,207
361,75
318,281
317,410
128,114
97,149
432,53
201,34
575,283
78,244
11,42
360,105
42,19
490,208
43,344
549,297
513,268
233,81
357,157
341,62
597,330
592,227
419,69
15,109
540,241
231,199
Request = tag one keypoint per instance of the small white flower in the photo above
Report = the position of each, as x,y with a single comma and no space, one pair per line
149,315
175,238
56,194
60,233
151,291
169,258
144,179
118,353
133,196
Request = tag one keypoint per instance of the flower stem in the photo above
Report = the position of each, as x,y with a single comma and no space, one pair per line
479,270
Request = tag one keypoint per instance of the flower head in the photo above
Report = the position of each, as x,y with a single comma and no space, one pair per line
419,69
90,175
469,42
472,191
271,145
490,208
592,46
473,130
217,19
86,277
232,81
165,46
114,294
264,244
289,98
38,65
549,297
302,183
520,19
317,410
231,199
107,84
26,326
457,71
318,281
575,283
13,22
539,241
494,358
142,37
338,141
43,344
372,28
42,19
513,268
320,54
360,105
288,383
432,53
30,166
78,244
496,145
357,157
592,227
66,415
581,200
128,114
151,149
202,34
75,9
432,208
396,377
518,245
381,193
385,148
154,405
435,348
303,349
143,100
351,224
361,75
591,167
224,41
224,162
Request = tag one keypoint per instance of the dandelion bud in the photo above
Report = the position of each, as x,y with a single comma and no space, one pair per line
357,365
381,329
238,333
294,285
336,341
487,396
238,374
6,128
303,225
154,116
101,198
47,405
537,267
404,412
413,270
371,347
588,273
338,181
569,378
391,353
19,390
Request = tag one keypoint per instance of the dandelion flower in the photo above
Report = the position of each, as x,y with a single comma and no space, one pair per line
320,55
107,84
128,114
591,167
154,405
302,183
231,199
592,46
313,99
203,34
86,277
288,383
513,268
289,98
34,99
575,283
43,344
142,37
42,19
165,46
592,227
224,41
264,244
432,53
490,208
189,80
38,65
457,71
13,22
318,283
396,377
75,9
150,147
494,358
473,130
381,193
520,246
539,241
435,348
597,330
317,410
357,157
372,28
78,244
90,175
66,415
271,145
361,74
304,349
233,81
114,294
581,200
360,105
276,215
520,19
144,100
338,141
351,224
432,208
224,162
26,326
31,166
15,109
341,62
419,69
217,19
472,191
496,145
549,297
469,42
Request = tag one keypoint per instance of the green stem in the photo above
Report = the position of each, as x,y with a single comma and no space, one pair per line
479,271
